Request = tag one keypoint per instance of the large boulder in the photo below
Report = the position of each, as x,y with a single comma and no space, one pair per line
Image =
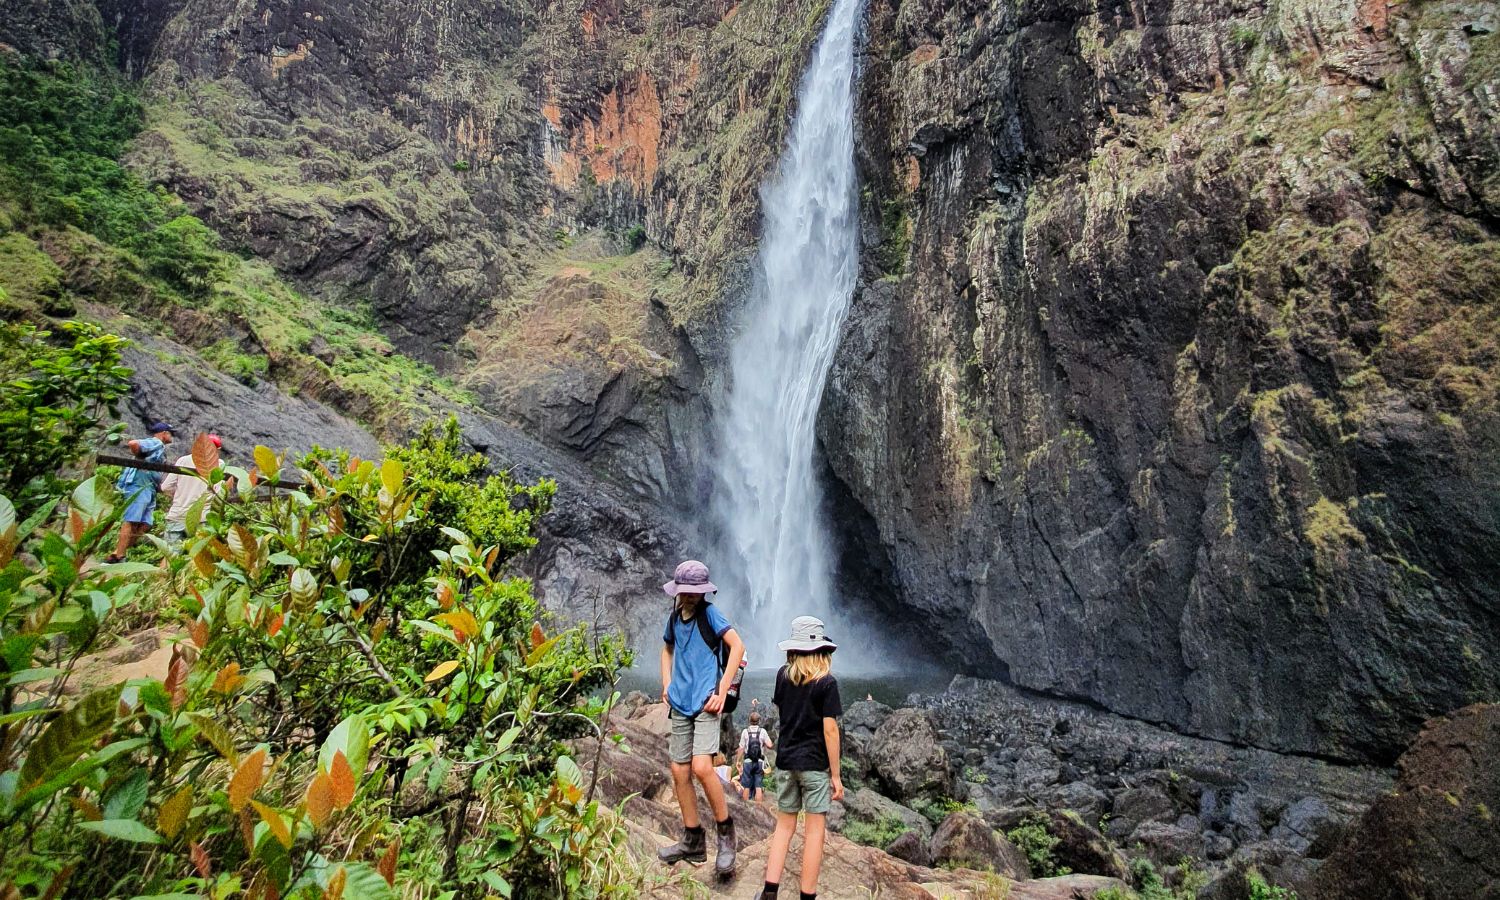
1435,836
1311,826
868,807
910,847
1165,843
1137,805
1081,848
861,720
906,758
967,841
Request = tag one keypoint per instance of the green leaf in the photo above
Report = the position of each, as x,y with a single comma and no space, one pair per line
88,499
27,676
282,559
391,474
217,736
69,736
265,460
568,771
304,586
128,568
124,800
351,736
123,830
364,883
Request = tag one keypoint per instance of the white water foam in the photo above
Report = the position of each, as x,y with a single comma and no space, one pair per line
777,557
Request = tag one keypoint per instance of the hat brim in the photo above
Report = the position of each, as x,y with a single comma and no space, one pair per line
795,646
672,588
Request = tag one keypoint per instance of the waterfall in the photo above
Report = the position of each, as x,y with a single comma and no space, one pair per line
768,503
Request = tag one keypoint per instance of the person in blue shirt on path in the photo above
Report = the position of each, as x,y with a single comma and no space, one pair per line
139,488
695,687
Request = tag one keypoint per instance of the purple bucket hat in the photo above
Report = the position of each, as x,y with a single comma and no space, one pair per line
691,577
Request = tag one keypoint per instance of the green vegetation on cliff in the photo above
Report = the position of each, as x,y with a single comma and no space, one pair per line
77,226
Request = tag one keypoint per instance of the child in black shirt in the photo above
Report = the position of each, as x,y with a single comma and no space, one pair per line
807,696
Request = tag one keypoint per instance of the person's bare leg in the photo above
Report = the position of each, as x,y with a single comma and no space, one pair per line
682,786
812,851
703,768
781,840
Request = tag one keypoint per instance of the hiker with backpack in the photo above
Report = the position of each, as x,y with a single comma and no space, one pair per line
139,487
754,742
700,666
807,697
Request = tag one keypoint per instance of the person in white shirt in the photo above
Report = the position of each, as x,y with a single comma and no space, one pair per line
185,491
754,743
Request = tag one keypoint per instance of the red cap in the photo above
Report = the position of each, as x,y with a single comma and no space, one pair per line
218,441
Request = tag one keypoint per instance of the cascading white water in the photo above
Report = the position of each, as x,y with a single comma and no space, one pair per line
768,500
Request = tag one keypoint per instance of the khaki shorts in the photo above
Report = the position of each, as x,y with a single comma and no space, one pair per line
698,736
804,791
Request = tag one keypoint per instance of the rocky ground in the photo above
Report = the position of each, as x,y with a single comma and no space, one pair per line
960,791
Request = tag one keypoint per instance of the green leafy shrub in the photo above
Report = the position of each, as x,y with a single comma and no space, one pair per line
321,672
635,237
53,390
877,833
1033,838
1260,889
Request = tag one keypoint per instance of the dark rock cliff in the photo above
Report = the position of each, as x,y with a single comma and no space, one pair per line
1183,398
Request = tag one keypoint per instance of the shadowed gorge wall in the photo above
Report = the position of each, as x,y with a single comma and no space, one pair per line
1183,397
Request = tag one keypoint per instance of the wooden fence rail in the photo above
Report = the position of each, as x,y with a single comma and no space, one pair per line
131,462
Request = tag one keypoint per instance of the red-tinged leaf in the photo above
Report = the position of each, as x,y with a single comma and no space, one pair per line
221,549
176,683
203,562
254,476
275,821
319,799
360,610
489,560
335,889
228,679
462,622
273,626
198,631
76,525
336,518
387,865
341,780
537,636
200,859
445,595
59,882
247,828
205,455
89,811
247,778
378,631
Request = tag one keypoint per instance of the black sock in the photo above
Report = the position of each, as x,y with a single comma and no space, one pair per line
728,820
694,829
769,890
807,896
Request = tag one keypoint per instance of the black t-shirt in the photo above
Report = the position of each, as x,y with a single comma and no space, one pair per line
803,708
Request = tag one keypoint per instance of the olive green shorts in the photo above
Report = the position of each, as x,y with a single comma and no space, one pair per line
804,791
698,736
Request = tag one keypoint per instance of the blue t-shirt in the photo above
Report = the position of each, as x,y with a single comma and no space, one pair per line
695,666
132,481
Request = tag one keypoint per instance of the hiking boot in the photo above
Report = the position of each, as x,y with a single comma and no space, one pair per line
692,848
724,859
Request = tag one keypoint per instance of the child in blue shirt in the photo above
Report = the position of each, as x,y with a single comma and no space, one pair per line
695,688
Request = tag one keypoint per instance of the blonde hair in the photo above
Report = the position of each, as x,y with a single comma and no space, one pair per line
805,668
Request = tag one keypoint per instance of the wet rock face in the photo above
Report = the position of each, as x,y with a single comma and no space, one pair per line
1435,835
1137,392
